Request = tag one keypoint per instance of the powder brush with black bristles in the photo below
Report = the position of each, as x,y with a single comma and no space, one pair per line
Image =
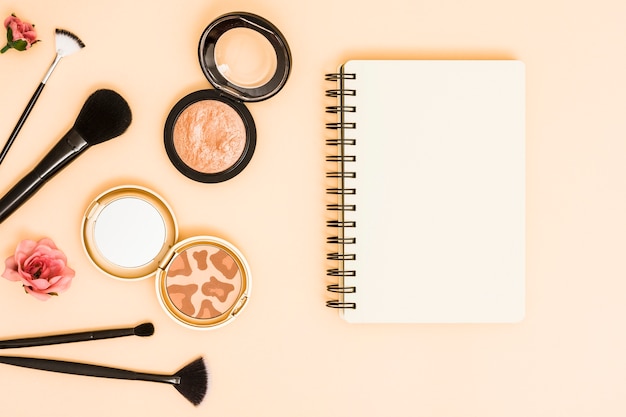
105,115
66,44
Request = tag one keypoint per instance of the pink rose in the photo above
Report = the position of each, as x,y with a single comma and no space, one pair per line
40,267
20,35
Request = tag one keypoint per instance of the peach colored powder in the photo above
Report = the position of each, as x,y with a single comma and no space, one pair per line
209,136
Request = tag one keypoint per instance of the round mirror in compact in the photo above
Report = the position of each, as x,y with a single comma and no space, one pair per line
129,233
127,230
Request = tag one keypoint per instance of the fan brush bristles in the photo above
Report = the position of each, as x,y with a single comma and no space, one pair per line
194,381
67,43
104,115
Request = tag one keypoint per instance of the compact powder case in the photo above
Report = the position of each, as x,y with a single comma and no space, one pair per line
210,135
129,233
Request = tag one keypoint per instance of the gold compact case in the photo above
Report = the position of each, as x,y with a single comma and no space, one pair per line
129,232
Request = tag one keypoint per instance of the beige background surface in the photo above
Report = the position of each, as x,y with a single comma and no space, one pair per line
287,355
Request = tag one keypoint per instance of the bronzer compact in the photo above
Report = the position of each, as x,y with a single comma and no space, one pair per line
210,135
129,232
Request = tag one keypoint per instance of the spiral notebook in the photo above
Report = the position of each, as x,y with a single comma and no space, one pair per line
426,165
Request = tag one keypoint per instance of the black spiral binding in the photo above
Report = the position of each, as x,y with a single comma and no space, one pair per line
341,237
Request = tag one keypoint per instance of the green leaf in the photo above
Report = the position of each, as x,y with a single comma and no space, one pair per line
20,45
54,294
9,35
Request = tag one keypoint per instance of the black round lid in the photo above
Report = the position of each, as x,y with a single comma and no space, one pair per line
210,67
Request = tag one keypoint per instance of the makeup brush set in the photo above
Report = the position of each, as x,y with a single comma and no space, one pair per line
191,380
104,116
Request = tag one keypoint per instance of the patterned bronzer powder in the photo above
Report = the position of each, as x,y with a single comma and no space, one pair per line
203,282
209,136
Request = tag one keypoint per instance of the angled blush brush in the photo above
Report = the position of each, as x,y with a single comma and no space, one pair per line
191,380
105,115
142,330
66,44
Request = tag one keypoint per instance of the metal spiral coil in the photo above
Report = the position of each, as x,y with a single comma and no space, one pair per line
340,304
342,159
340,174
336,256
336,272
339,289
337,76
341,191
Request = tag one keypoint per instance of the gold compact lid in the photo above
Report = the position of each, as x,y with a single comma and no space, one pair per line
127,231
203,282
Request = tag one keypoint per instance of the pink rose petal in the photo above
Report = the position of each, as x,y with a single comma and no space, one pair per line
38,295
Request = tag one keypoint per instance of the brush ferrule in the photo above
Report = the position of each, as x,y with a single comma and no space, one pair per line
75,141
61,154
165,379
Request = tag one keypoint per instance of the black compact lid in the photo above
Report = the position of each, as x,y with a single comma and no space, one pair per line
224,23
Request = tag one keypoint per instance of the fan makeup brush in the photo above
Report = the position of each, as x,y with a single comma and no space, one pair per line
66,44
191,380
104,116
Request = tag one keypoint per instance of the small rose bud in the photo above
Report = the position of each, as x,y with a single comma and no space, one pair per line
20,35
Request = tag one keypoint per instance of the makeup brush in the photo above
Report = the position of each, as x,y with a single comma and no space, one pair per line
104,115
191,381
143,330
66,44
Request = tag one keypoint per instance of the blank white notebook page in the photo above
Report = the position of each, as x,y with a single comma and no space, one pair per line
440,191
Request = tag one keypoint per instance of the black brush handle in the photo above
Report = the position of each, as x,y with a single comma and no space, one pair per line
68,148
76,368
65,338
21,121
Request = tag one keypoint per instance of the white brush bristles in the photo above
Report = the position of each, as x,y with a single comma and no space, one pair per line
67,43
